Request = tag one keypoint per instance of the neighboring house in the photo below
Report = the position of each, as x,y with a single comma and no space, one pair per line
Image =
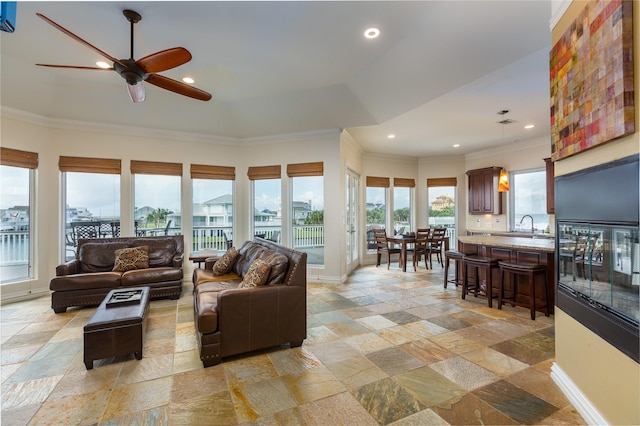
301,211
78,214
442,202
15,218
215,212
141,213
264,216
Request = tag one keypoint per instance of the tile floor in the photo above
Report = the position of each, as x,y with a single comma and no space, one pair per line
386,347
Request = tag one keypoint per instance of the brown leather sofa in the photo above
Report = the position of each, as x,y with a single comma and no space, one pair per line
86,280
231,320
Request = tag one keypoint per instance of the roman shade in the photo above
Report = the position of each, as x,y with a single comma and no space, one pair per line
434,182
156,168
89,165
305,169
405,183
379,182
201,171
264,172
16,158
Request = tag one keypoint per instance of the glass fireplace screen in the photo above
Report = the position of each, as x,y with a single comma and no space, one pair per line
601,264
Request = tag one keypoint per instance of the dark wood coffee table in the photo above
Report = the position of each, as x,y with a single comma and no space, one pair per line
116,330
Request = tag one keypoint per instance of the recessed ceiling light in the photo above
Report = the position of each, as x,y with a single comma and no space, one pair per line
103,64
391,136
529,126
456,145
372,32
188,80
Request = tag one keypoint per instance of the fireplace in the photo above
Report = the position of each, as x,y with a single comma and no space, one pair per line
598,253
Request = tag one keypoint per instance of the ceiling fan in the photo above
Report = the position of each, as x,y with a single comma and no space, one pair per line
135,72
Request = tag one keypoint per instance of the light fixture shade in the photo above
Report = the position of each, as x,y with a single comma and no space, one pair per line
503,181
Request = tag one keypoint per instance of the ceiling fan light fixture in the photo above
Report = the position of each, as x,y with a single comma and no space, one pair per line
188,80
136,92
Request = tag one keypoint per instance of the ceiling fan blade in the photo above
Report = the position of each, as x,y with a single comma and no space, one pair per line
178,87
76,67
78,39
136,92
164,60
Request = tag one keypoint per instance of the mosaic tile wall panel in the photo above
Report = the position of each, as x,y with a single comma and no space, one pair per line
591,76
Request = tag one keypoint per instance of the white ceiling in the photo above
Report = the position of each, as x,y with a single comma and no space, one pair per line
437,75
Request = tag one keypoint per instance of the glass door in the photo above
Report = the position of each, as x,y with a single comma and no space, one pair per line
352,220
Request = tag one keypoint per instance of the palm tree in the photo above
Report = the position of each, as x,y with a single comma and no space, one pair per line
158,215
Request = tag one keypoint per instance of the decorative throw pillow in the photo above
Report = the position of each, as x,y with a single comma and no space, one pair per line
256,275
128,259
225,263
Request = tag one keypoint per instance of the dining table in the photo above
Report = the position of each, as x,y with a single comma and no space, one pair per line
404,240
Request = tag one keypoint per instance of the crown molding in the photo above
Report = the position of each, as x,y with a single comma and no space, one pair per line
346,137
558,8
86,126
394,157
511,147
433,159
64,124
290,137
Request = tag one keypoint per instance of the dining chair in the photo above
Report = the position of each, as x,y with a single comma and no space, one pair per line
383,246
420,248
436,242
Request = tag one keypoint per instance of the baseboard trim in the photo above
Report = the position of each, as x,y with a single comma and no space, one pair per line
588,412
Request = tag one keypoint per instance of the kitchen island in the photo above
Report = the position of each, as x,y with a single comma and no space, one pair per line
513,249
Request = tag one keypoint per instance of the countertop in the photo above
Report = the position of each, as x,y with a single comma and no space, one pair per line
541,244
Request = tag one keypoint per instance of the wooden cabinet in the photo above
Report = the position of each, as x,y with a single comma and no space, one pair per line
484,197
550,186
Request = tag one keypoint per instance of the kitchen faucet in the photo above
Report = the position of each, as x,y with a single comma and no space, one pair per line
531,217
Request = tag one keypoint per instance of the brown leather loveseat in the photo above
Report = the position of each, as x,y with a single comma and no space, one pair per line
86,280
232,320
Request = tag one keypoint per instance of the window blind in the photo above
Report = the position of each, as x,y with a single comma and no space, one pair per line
156,168
264,172
379,182
89,165
201,171
305,169
442,182
17,158
405,183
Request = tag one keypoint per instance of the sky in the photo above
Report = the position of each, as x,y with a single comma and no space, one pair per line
15,187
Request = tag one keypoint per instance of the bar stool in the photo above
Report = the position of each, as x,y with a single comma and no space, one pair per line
486,264
530,270
458,256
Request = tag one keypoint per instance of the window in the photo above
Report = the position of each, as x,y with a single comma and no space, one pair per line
212,206
91,199
267,202
17,173
402,193
376,199
441,195
156,192
307,210
528,200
